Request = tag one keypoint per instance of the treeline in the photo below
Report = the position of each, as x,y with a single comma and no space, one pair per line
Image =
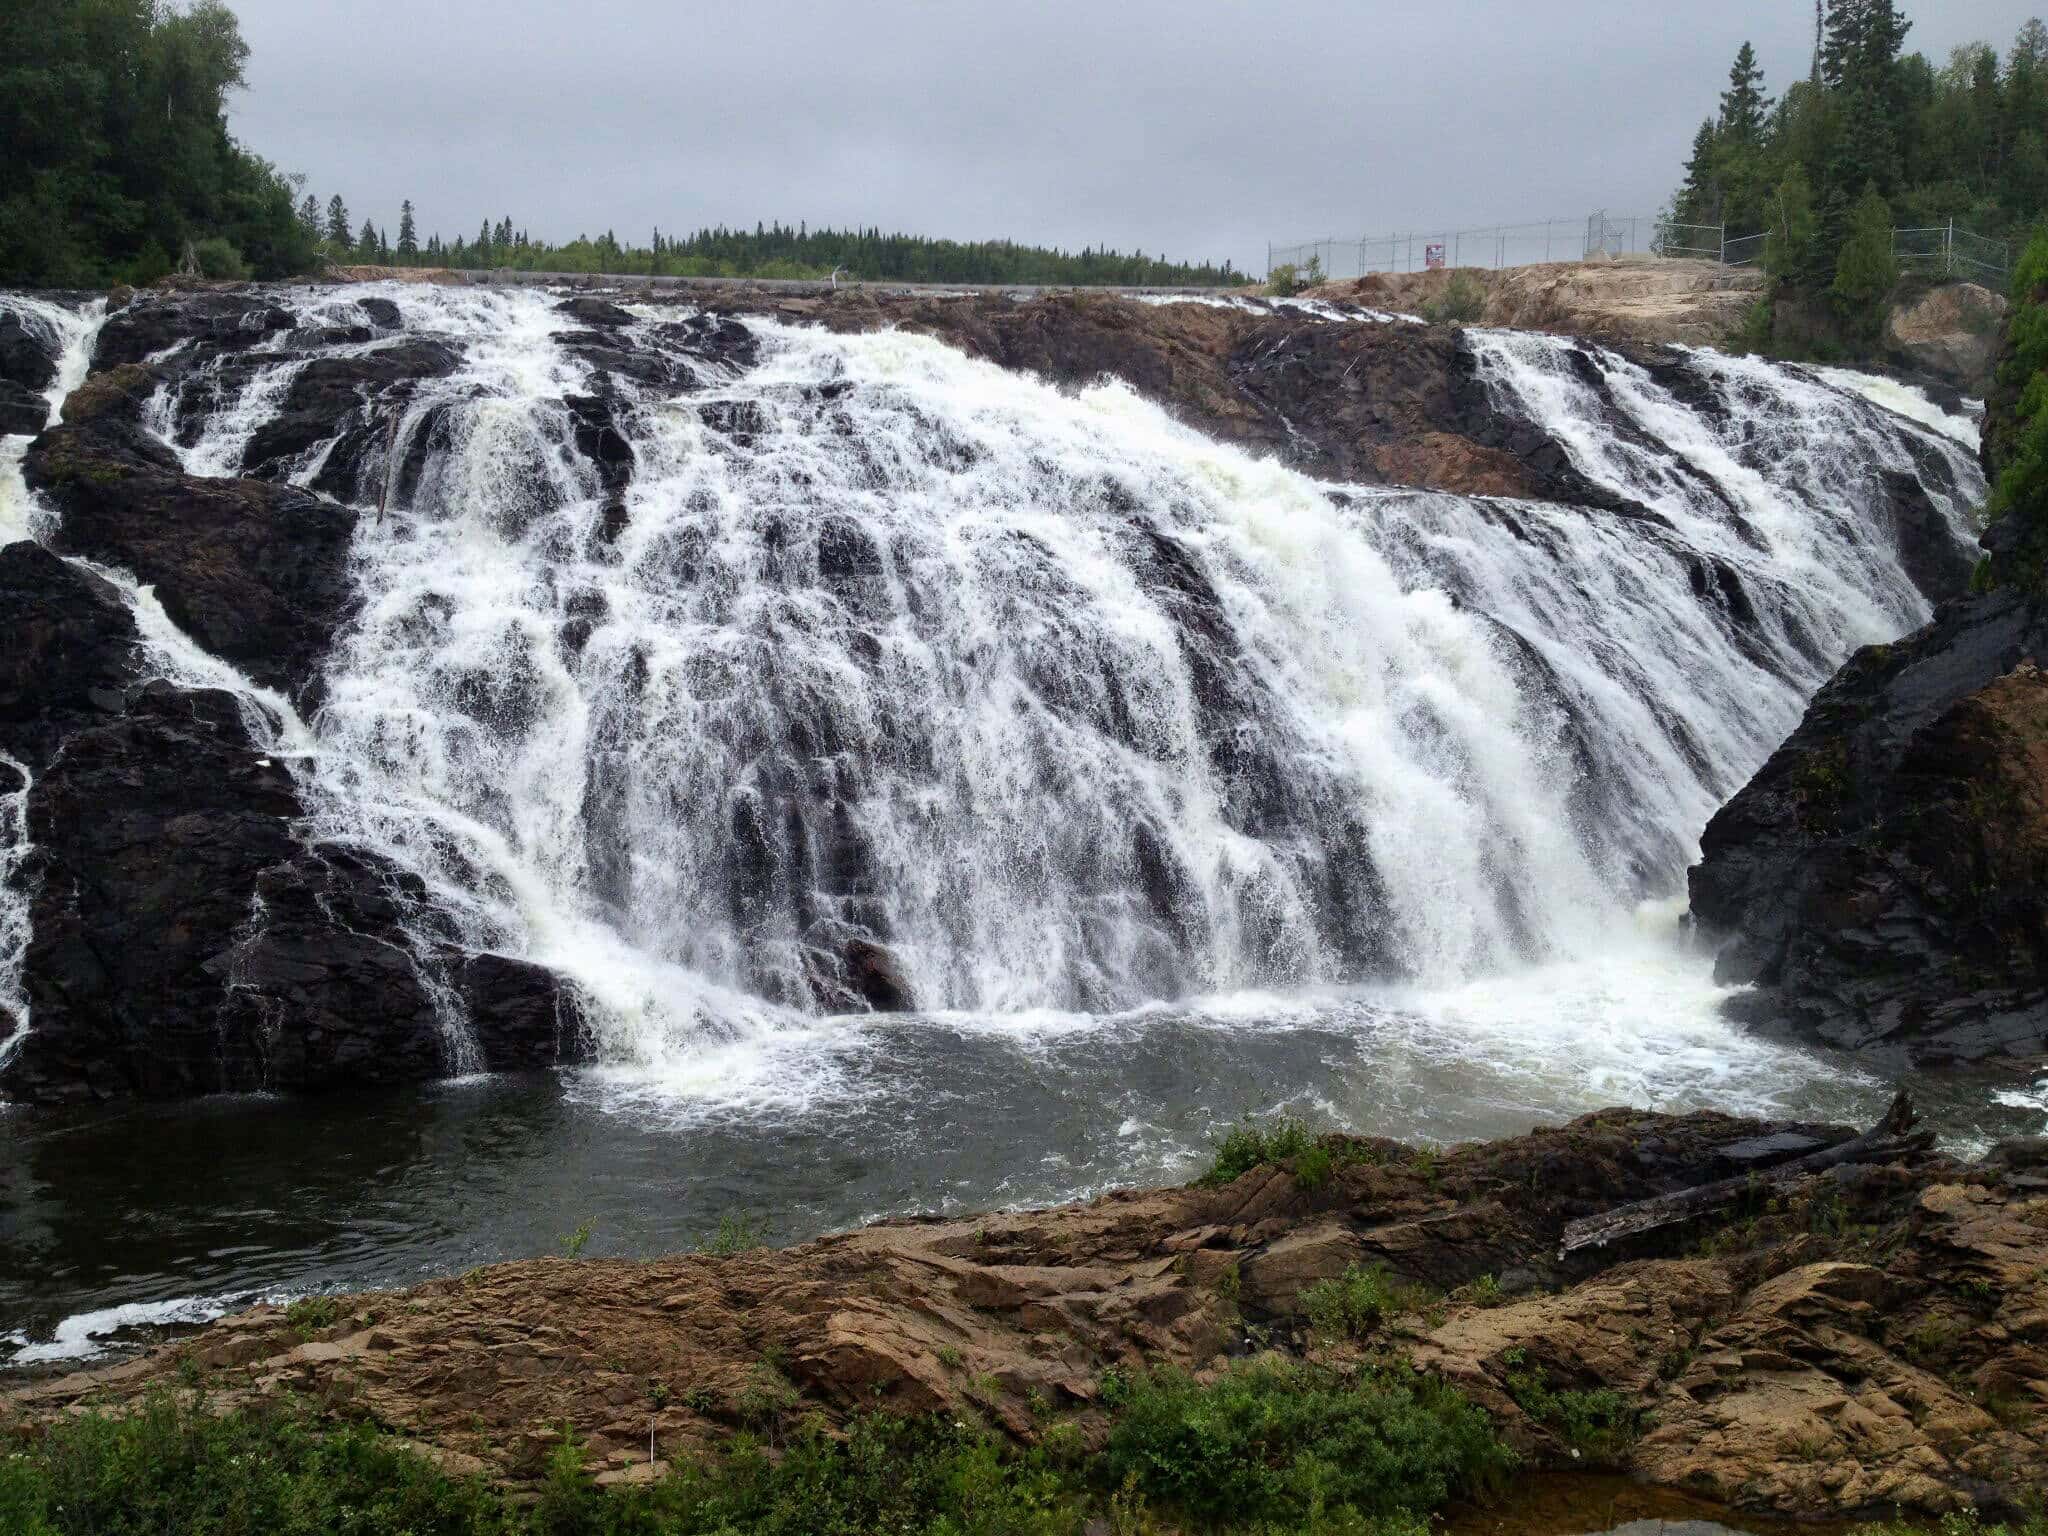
768,250
117,160
1875,138
118,166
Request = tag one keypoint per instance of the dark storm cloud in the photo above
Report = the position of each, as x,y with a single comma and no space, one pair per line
1200,130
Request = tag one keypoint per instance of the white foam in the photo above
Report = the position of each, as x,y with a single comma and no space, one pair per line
1913,403
87,1335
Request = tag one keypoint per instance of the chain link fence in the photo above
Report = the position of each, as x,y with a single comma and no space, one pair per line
1942,250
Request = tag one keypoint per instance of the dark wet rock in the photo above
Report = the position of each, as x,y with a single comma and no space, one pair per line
155,322
354,397
163,849
599,313
1938,565
382,312
1882,876
24,361
22,411
877,976
525,1017
256,573
1883,879
67,652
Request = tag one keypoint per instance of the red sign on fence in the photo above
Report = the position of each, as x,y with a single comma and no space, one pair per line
1433,255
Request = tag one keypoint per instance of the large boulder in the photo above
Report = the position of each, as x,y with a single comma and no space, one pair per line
1950,333
1882,876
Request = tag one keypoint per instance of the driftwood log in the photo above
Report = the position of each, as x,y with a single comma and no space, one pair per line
390,462
1893,1136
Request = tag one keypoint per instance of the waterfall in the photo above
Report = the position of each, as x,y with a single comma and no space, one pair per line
67,335
891,674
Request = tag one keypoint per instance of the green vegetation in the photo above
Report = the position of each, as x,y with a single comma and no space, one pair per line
118,158
311,1314
2021,442
1249,1144
1873,138
1600,1425
575,1242
1284,1445
1356,1302
1267,1448
777,251
119,166
735,1234
1462,302
1965,1522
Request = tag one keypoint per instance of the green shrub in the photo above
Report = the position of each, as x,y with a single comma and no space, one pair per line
1273,1442
736,1234
1462,302
310,1314
1599,1424
1248,1145
575,1242
1284,281
219,260
1356,1302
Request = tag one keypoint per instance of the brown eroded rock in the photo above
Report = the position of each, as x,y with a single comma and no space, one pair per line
1777,1366
1646,299
1950,332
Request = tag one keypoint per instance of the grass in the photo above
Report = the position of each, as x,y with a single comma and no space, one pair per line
1269,1448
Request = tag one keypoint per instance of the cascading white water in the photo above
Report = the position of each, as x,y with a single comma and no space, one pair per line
67,334
1067,704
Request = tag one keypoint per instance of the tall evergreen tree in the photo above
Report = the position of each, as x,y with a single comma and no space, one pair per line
408,235
366,242
1699,201
1744,107
309,216
338,234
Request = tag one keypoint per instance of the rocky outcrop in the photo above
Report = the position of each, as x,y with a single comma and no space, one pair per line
1881,878
1882,874
1867,1342
1948,333
1642,299
185,938
257,573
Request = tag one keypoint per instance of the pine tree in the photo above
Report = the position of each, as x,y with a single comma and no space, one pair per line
1865,269
1744,107
1700,200
366,242
337,223
309,216
408,234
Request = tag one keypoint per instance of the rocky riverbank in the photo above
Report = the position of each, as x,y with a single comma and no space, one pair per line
1864,1340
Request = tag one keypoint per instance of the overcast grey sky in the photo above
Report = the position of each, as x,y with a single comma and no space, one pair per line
1196,128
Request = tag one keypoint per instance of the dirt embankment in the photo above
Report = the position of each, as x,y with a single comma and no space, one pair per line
1871,1338
1647,299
